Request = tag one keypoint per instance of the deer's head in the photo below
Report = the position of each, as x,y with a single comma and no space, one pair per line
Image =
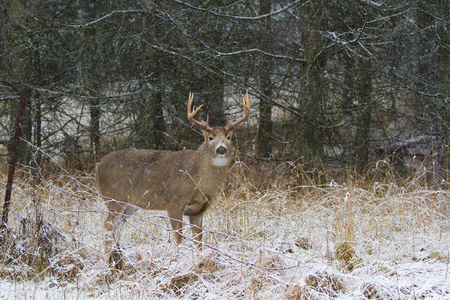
218,138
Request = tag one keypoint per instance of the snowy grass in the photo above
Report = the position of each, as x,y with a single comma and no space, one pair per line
344,240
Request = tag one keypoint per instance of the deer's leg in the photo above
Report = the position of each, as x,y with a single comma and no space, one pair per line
112,247
196,222
109,236
111,224
176,216
114,224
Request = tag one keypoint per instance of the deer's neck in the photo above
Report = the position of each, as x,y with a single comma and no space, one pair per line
219,162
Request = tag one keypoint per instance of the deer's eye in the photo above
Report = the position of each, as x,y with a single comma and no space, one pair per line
228,137
211,138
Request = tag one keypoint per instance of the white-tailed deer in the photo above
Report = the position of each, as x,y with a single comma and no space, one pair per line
180,182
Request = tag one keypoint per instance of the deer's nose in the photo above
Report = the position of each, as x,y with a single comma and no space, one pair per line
221,150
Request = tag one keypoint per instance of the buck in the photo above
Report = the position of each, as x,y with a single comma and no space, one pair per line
180,182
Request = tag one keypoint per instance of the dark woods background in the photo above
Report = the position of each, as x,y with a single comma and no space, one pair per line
332,83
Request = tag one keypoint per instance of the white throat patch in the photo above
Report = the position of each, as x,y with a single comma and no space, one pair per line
220,161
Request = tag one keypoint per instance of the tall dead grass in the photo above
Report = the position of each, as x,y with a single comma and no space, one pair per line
279,233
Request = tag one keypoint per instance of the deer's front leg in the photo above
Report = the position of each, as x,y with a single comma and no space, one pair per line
176,217
197,223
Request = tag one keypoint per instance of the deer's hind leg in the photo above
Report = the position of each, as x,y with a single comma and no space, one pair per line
114,223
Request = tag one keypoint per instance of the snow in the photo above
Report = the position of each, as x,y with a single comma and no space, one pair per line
279,243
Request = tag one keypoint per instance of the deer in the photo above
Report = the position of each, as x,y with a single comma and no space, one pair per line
181,182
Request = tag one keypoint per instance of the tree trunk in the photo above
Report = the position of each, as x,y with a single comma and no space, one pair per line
20,64
38,130
444,78
215,105
12,162
264,137
94,129
159,127
363,122
314,88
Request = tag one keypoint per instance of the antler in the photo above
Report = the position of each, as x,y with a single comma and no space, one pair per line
246,104
191,114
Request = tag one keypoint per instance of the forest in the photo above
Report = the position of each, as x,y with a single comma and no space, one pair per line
331,83
348,139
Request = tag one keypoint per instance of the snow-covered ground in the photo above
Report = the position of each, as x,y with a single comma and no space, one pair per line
337,242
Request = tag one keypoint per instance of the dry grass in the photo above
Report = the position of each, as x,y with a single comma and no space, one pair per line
363,240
